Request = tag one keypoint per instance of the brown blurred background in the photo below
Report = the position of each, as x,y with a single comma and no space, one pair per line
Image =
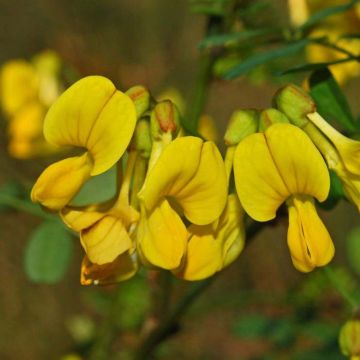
153,43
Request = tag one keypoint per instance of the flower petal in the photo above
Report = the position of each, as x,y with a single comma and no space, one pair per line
308,239
348,149
94,115
60,182
28,122
162,237
122,268
232,230
172,171
298,161
215,246
203,198
80,219
18,85
204,255
260,188
105,240
193,173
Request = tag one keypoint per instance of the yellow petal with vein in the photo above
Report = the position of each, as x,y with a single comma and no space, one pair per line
122,268
61,181
162,237
298,161
105,240
203,198
204,255
172,171
191,172
232,230
308,239
79,219
260,188
215,246
94,115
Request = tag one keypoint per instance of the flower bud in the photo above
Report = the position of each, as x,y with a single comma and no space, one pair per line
295,103
165,118
241,124
143,141
271,116
349,338
141,98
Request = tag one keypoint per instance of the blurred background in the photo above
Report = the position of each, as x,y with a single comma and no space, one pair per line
258,308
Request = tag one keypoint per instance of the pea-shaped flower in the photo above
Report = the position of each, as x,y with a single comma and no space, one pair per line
188,180
213,247
92,114
282,165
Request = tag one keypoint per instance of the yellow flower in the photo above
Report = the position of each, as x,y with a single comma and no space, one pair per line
121,269
207,128
213,247
27,90
19,85
189,180
332,28
282,165
106,234
106,229
91,114
341,154
318,54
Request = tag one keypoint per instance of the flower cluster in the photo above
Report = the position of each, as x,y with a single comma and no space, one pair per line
335,30
173,209
27,90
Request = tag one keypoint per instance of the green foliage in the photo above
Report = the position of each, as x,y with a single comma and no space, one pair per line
327,12
224,39
10,189
98,189
311,67
330,100
48,253
252,326
134,301
264,57
353,249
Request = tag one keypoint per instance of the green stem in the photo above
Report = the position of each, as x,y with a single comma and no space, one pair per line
341,289
25,206
204,78
330,45
169,324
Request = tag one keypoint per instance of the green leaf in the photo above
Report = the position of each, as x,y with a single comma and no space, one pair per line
353,249
327,12
252,326
218,40
312,66
48,253
98,189
330,100
265,57
254,7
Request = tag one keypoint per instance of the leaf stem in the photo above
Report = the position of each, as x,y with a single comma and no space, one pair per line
25,206
204,77
169,325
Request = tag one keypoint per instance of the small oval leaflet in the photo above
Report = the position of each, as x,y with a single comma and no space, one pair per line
48,253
